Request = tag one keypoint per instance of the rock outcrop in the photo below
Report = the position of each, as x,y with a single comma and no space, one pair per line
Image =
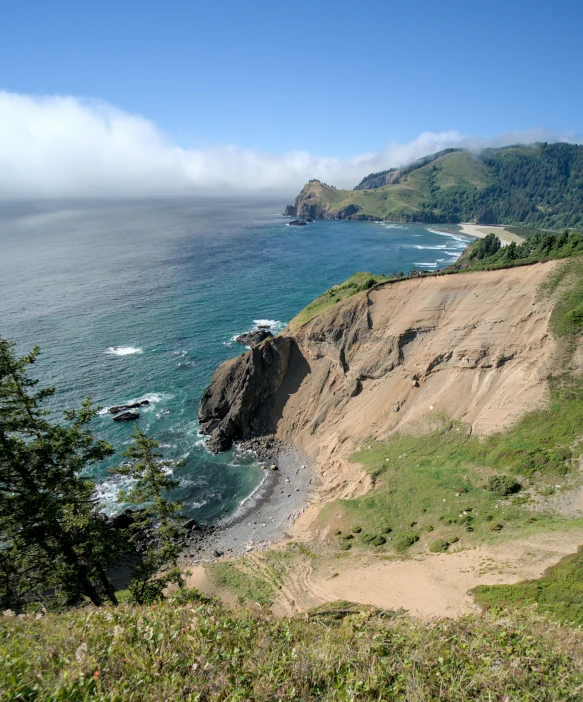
472,347
254,337
240,401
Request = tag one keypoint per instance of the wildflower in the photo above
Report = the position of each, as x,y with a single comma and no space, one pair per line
117,630
96,675
81,653
8,613
108,617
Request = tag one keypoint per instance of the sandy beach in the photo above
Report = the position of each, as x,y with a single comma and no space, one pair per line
482,230
265,516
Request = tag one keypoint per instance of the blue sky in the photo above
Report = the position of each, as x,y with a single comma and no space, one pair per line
335,79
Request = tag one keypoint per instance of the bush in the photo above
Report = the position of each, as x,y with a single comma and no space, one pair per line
404,540
428,527
379,541
438,546
503,485
345,545
357,530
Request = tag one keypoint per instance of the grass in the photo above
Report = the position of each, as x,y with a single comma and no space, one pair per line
451,484
240,583
355,284
192,648
558,593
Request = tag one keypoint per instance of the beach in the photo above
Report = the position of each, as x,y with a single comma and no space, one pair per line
480,231
265,516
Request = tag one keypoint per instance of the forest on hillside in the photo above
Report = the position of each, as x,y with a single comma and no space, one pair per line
542,186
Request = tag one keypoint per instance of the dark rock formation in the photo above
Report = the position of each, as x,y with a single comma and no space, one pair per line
126,416
290,211
298,223
253,338
189,526
125,408
240,401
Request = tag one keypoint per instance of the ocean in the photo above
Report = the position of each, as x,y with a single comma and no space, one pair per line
135,299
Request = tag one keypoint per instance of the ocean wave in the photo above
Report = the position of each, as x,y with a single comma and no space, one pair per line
246,504
461,239
123,350
440,247
426,265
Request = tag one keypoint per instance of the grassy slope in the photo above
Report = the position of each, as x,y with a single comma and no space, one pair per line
401,200
416,476
558,594
355,284
192,648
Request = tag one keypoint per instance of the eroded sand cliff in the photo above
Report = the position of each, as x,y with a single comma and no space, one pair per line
473,346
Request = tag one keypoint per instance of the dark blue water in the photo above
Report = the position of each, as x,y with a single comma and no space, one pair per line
132,299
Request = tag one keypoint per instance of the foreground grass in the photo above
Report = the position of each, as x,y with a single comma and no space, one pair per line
558,593
192,648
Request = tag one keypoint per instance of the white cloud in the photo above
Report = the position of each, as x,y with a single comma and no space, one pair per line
61,146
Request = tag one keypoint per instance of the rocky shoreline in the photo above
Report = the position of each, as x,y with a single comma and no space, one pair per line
266,515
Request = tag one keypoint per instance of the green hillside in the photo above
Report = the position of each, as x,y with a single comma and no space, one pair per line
540,184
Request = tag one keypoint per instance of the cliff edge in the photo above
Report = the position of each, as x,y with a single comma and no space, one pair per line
474,347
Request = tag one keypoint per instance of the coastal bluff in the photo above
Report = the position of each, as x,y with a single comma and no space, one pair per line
473,347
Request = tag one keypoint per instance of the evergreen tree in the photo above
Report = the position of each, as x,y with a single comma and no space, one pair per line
157,526
51,542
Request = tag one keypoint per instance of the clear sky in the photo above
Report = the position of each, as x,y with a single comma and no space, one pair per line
333,78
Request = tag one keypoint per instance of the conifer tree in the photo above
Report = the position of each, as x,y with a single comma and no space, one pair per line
51,542
157,531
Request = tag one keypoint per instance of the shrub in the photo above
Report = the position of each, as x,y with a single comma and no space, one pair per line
404,540
379,541
357,529
503,485
428,527
495,526
345,545
438,546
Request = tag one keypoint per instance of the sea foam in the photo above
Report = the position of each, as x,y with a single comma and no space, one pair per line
123,350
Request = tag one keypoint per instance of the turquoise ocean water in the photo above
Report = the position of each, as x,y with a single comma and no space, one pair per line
131,300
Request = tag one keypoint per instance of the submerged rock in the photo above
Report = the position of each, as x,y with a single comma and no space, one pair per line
297,223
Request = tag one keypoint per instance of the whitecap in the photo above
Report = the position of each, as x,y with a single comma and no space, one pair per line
427,265
123,350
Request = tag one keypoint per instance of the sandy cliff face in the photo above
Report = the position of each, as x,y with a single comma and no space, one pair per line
472,346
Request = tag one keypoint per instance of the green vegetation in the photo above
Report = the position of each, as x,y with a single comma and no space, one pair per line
539,185
158,563
449,483
355,284
55,545
558,594
50,541
488,254
503,485
240,583
405,540
439,546
192,648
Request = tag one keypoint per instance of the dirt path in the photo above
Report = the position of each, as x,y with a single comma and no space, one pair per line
432,586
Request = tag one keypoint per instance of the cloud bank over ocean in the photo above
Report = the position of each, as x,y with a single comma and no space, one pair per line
67,146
